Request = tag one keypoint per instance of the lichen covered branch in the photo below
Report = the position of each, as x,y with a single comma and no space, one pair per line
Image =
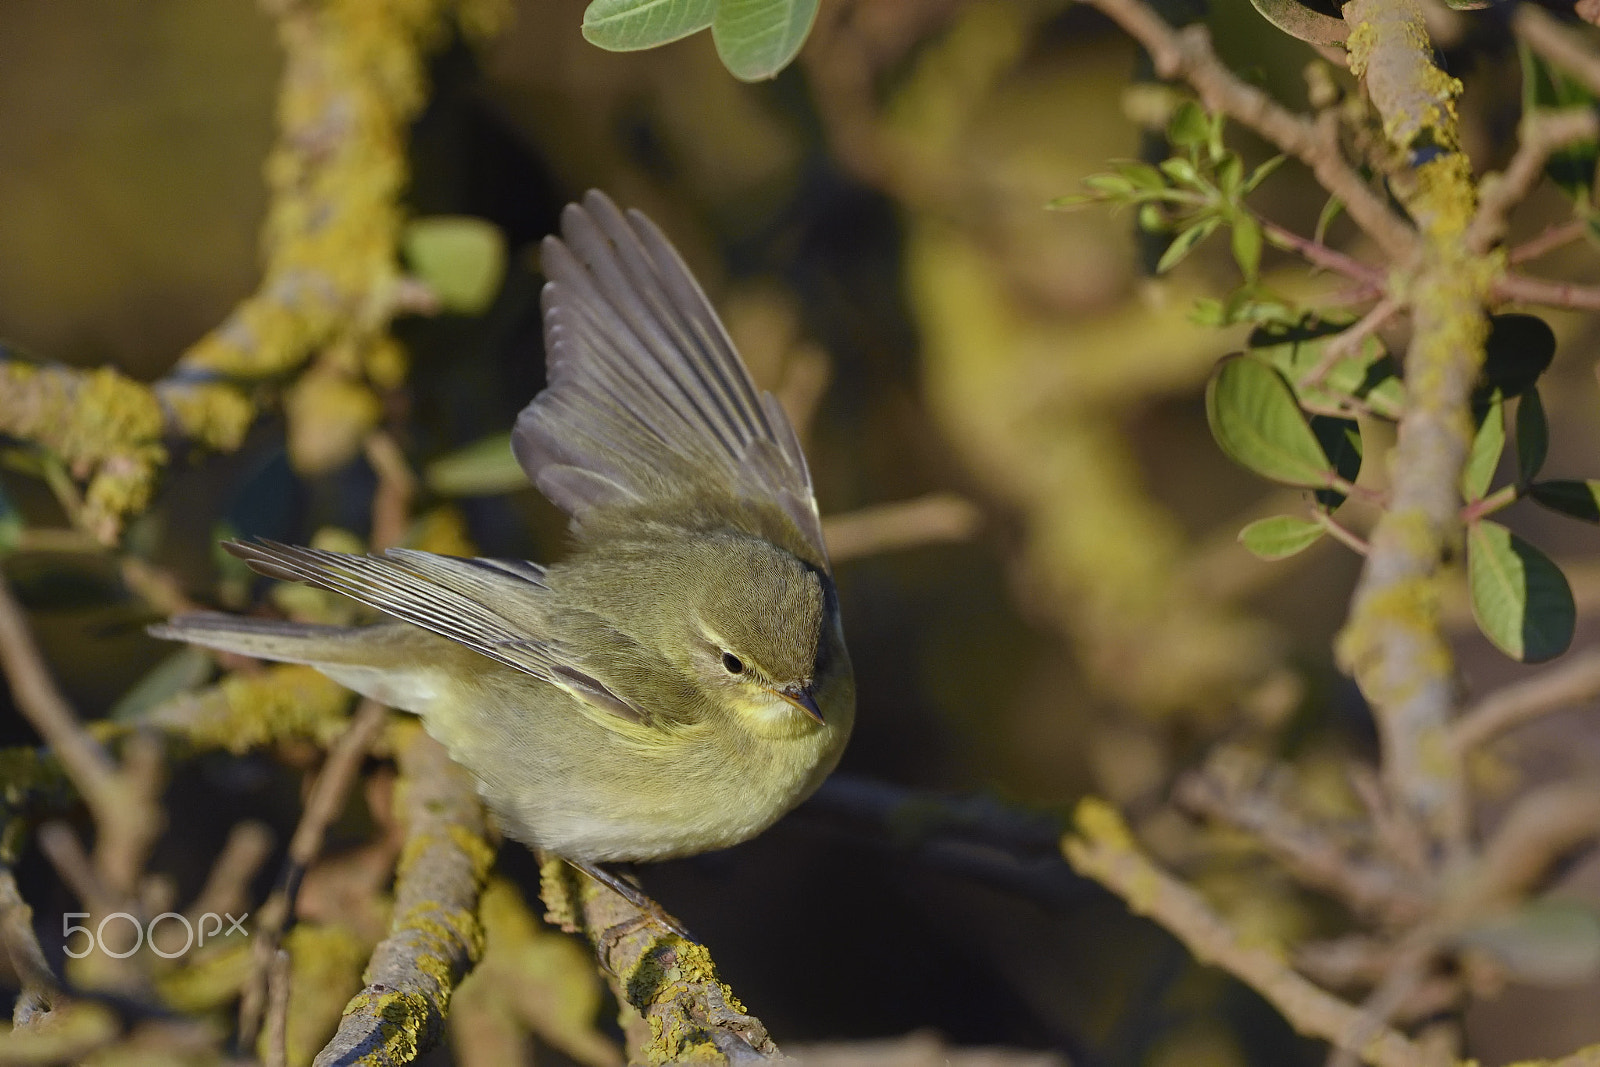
1392,642
434,936
681,1010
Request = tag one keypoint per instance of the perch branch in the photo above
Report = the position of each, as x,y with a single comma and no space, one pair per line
682,1011
1103,849
434,936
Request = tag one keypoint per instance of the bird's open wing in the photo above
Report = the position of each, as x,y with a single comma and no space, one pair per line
449,596
646,394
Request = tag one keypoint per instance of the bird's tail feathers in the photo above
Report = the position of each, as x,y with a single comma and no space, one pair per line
274,639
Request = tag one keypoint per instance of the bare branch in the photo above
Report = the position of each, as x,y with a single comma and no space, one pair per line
1521,289
1313,857
1541,828
227,886
1572,681
1103,849
434,936
932,519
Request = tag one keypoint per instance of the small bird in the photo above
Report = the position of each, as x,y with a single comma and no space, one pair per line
680,680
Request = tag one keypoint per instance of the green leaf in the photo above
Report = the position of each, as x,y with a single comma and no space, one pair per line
1180,171
1142,176
1519,349
1330,211
1533,436
461,259
1256,422
629,25
1189,126
1186,242
1484,456
483,468
1543,942
1230,175
1579,500
1247,245
1109,186
757,38
1341,443
1520,598
11,524
1280,536
181,671
1262,173
1369,375
1298,20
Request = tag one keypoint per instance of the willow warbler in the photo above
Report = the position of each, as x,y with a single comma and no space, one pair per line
681,680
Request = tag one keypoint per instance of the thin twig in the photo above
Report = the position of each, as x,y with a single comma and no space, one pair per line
1321,255
434,936
1349,341
1542,134
1565,48
323,804
227,886
1311,855
933,519
1572,681
66,854
391,502
1104,850
277,1052
1541,828
83,758
1551,239
1521,289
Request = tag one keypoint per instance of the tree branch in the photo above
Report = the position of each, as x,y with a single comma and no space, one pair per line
1103,849
1572,681
1392,642
434,936
681,1009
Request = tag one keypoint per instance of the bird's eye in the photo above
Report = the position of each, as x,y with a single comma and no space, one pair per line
732,664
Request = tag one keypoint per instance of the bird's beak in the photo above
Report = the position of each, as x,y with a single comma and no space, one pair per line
800,696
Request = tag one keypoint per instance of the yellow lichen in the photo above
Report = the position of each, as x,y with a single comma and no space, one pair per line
246,711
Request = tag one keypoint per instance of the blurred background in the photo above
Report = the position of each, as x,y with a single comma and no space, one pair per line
872,224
